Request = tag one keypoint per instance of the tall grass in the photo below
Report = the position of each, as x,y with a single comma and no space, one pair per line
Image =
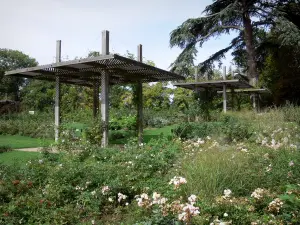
210,172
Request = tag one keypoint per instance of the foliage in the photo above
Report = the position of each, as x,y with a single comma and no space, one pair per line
235,129
120,136
203,180
70,188
36,125
123,122
291,113
5,148
17,158
18,141
197,130
228,128
38,95
10,60
221,18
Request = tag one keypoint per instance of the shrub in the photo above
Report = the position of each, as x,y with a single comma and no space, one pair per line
84,186
234,128
5,148
120,134
39,125
124,122
197,130
291,113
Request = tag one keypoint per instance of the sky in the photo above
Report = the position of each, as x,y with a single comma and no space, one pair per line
33,26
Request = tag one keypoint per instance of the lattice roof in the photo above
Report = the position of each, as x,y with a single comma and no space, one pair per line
86,71
250,91
214,84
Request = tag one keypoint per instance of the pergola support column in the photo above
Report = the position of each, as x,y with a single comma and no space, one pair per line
197,90
224,91
57,94
140,99
105,91
96,98
258,102
232,98
254,102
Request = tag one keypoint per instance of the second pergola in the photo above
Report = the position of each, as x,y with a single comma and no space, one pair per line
105,70
220,86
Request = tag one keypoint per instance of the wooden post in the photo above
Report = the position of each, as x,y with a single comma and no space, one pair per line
140,99
232,99
105,91
57,94
254,102
232,92
196,74
96,98
196,79
224,91
258,102
197,89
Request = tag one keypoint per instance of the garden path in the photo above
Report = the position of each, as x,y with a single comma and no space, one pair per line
39,149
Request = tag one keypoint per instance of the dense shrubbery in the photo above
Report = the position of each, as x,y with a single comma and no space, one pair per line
242,175
80,187
39,125
197,130
5,148
122,123
228,127
162,118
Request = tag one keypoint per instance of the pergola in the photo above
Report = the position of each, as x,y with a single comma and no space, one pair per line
256,92
220,86
105,70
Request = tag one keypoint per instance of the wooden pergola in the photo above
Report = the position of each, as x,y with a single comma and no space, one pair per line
105,70
255,92
221,86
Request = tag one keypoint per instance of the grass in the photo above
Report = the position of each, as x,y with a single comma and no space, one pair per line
209,169
17,157
148,134
156,132
17,141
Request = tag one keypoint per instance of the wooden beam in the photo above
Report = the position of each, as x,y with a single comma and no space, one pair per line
105,91
140,99
224,91
57,93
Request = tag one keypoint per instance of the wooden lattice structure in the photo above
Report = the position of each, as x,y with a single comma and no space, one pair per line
105,70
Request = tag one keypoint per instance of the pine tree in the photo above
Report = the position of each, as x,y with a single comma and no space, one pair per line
224,17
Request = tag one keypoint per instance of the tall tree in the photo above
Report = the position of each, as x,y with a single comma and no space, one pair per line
11,60
281,65
223,17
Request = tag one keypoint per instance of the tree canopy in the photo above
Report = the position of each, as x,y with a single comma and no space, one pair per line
10,60
246,19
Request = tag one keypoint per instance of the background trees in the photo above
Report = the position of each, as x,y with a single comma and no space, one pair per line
265,44
10,60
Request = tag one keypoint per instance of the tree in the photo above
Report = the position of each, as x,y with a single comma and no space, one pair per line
38,95
280,72
156,96
11,60
223,17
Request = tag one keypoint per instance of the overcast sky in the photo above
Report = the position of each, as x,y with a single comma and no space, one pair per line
33,26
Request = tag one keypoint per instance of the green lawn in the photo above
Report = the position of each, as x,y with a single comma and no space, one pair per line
17,141
27,142
148,134
17,157
156,132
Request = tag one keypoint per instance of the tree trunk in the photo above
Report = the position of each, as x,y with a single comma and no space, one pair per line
248,35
